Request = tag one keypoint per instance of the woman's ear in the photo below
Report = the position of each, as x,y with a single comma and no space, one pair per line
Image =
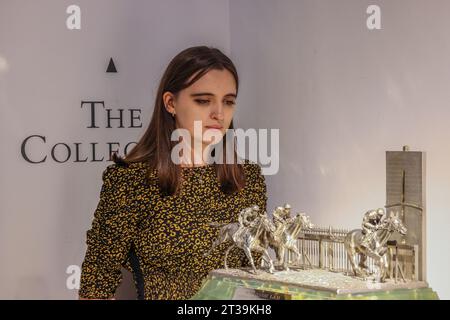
168,99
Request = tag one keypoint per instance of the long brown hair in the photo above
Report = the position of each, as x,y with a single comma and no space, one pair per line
155,145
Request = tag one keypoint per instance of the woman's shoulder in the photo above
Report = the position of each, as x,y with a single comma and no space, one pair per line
135,170
251,167
129,172
255,182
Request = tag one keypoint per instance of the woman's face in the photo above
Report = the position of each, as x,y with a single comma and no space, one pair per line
211,100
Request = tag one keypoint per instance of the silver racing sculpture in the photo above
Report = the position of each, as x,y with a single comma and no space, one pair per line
386,250
256,232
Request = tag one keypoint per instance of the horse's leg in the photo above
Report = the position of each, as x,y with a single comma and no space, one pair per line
266,256
271,245
362,267
226,256
379,265
283,261
297,253
352,263
271,266
362,261
277,252
248,253
352,251
351,256
221,238
384,263
215,244
292,247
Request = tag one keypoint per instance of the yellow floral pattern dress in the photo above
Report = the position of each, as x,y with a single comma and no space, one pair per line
162,239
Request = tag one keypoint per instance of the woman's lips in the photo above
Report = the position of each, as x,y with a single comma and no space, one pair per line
214,127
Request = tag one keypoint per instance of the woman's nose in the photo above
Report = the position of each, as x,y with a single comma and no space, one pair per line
217,111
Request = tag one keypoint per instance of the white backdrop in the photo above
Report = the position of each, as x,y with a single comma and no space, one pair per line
47,70
340,94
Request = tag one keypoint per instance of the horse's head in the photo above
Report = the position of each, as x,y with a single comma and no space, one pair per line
304,221
266,223
259,223
395,224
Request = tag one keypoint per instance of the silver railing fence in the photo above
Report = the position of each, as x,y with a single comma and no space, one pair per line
324,248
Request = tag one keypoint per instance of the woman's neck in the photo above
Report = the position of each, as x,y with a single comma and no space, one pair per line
196,157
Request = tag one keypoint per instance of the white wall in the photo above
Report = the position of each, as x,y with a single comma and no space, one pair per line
45,72
342,95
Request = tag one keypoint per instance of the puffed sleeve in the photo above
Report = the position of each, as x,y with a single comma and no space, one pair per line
109,238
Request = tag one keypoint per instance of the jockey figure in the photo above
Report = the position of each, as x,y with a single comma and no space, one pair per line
248,219
371,223
282,216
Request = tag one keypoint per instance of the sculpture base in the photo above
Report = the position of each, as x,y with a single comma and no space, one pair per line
305,284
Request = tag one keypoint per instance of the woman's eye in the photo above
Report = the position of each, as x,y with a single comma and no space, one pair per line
230,102
200,101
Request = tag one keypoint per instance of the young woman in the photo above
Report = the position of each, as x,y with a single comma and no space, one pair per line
154,213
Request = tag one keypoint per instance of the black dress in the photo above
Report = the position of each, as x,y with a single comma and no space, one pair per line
161,239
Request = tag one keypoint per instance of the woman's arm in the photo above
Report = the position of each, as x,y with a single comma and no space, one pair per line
109,239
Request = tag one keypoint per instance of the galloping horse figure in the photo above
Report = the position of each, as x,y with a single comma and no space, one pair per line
376,249
249,240
285,237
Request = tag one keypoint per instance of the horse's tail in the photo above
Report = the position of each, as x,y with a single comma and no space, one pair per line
349,239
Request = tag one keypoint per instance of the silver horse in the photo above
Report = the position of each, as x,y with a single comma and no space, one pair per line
285,237
250,240
376,249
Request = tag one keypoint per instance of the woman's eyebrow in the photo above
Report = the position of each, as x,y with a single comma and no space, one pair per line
211,94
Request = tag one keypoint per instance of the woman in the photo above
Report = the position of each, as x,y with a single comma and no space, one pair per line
154,213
